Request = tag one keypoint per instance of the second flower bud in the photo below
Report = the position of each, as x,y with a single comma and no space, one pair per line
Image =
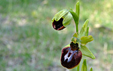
61,19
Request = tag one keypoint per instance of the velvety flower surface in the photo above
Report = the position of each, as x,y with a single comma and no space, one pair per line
70,58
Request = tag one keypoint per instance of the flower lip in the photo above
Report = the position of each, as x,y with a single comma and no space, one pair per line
57,25
70,58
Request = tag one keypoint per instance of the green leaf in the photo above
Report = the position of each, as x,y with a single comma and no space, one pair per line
84,66
87,31
91,69
78,67
75,17
77,8
86,39
85,51
84,29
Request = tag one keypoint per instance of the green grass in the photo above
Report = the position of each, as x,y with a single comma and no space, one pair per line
29,43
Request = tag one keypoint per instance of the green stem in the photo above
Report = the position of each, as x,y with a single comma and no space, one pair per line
77,24
76,19
77,27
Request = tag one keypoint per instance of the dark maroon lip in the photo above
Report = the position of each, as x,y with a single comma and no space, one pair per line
57,25
70,58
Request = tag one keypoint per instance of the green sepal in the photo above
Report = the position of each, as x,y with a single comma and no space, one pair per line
75,35
91,69
86,39
84,66
86,52
67,45
60,14
67,19
84,29
78,8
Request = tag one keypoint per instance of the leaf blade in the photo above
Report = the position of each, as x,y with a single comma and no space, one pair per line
86,52
84,28
91,69
84,66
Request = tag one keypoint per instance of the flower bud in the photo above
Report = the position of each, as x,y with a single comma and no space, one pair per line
71,58
61,19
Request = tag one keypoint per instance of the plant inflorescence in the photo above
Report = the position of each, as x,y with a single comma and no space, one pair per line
72,53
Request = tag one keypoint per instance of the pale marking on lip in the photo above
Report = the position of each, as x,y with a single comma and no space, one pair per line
70,57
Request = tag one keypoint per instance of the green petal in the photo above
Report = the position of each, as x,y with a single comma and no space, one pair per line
84,66
85,51
86,39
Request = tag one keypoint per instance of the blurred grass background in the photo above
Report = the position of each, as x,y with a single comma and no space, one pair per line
29,43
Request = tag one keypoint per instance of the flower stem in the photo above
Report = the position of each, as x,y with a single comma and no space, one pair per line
76,19
76,27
